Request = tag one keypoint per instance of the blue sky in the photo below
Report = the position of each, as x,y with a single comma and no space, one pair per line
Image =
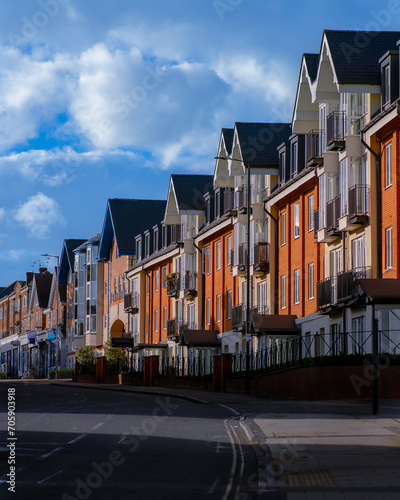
103,99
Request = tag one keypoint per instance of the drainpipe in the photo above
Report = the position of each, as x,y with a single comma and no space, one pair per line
378,205
276,308
203,291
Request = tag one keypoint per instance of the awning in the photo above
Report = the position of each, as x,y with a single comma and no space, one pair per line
32,338
200,338
275,324
51,335
381,291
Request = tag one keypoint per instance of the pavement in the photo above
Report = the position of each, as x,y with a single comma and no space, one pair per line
308,450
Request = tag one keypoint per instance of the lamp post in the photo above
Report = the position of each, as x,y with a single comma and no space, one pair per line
57,306
248,323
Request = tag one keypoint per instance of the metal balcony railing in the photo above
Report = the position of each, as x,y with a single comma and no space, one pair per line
229,201
237,317
190,283
359,196
326,292
332,213
242,200
261,256
242,255
347,284
173,287
335,130
314,147
131,301
172,330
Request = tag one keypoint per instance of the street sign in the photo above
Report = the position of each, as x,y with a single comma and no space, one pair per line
127,342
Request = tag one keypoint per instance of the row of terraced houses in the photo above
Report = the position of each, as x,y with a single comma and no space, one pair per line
295,235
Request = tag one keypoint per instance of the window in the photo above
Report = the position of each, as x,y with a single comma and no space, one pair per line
206,260
156,320
386,85
155,239
139,249
358,253
208,211
388,165
156,280
228,250
282,167
147,245
293,159
190,316
164,274
120,283
134,323
358,335
208,312
311,281
164,320
228,304
311,213
164,231
262,298
296,220
105,288
283,292
218,255
297,286
115,284
218,312
217,204
283,228
389,248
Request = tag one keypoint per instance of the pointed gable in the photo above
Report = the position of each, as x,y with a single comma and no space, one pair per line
186,196
305,111
221,171
124,219
67,257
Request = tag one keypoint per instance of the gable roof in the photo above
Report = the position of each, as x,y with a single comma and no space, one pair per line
227,135
186,196
258,142
126,218
311,61
43,283
355,54
8,290
67,257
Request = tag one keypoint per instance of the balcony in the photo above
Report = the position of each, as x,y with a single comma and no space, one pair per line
229,203
314,148
131,302
357,209
242,200
238,317
326,293
242,257
332,216
347,283
173,286
172,330
176,234
261,257
335,131
190,284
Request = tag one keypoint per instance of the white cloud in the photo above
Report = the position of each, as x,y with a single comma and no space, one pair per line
2,213
39,214
12,255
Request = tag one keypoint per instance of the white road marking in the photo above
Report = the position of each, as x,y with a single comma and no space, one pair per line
77,439
213,487
234,460
46,478
51,453
229,408
97,426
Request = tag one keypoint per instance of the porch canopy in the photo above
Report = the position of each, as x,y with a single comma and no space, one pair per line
200,338
275,324
381,291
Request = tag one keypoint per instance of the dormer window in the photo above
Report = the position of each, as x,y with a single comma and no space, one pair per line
282,167
386,85
147,245
155,239
139,249
293,160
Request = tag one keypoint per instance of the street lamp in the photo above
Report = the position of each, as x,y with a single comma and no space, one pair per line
57,305
248,203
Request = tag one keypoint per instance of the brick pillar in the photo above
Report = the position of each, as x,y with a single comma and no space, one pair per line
100,369
151,370
222,369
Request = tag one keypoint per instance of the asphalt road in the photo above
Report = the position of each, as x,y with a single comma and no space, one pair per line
75,443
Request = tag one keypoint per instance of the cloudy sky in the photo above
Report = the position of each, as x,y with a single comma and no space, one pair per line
102,99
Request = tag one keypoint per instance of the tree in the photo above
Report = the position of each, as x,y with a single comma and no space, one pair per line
85,355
